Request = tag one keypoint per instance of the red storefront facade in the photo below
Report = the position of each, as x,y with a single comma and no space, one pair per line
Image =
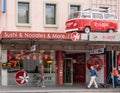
64,55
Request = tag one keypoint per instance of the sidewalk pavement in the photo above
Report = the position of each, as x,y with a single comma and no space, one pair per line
56,89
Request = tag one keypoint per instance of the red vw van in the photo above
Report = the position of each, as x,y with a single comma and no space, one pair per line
92,21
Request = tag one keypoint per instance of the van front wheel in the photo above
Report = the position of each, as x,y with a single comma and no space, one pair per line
87,29
110,30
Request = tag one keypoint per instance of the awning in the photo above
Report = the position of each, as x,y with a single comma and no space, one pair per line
74,40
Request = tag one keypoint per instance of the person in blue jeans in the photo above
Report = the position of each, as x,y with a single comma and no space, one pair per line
116,76
93,74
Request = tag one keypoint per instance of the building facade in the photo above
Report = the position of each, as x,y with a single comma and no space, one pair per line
33,33
39,15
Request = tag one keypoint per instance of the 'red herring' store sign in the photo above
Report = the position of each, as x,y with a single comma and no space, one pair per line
41,35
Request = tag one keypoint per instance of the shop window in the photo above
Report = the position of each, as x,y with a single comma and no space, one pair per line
50,14
13,63
48,63
23,13
30,62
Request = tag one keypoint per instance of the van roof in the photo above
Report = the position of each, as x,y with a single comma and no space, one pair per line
97,10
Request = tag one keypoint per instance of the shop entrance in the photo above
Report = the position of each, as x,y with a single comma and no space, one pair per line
68,71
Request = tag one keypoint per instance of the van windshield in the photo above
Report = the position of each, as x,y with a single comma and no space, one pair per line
74,15
110,16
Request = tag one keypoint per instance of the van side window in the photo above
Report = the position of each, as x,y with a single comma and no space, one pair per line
110,16
74,15
97,15
85,15
70,16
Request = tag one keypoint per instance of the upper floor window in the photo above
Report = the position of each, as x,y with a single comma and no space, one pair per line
74,8
50,14
23,13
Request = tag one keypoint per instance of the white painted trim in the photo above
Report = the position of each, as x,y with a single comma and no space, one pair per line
76,29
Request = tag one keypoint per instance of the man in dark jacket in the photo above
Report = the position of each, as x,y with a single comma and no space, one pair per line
94,74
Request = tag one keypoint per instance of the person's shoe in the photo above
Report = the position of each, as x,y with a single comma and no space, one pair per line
88,87
42,86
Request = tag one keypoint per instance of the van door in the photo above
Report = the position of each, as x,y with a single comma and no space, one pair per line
97,19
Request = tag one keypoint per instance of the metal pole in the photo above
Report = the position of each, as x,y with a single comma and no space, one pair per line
112,68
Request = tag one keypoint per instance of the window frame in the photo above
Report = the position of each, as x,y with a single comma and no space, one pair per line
30,19
56,15
74,4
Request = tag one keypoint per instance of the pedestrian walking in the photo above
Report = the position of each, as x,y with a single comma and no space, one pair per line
116,76
42,75
93,74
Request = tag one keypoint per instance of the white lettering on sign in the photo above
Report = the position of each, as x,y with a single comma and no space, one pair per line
101,24
10,35
48,36
34,35
109,37
20,35
97,51
58,36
